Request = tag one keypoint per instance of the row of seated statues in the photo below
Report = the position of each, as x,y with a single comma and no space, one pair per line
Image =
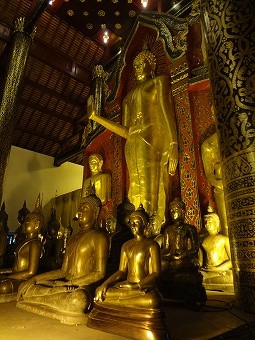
88,280
119,273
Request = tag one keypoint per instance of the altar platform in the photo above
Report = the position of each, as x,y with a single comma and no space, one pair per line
218,319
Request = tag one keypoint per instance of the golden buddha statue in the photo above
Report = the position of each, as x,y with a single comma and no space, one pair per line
180,278
3,233
212,166
19,233
147,115
153,229
101,180
215,256
27,255
131,290
66,293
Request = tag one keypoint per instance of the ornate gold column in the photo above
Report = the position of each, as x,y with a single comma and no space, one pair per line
230,35
10,89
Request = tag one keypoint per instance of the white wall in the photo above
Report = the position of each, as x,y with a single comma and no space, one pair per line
28,174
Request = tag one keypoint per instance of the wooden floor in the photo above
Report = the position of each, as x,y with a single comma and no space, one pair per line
218,319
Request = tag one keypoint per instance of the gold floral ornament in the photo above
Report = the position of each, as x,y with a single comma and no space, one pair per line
85,13
70,12
89,26
131,13
118,26
101,13
117,13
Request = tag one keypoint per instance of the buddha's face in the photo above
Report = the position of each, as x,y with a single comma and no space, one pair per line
212,225
111,225
136,225
95,165
86,214
142,68
176,213
30,224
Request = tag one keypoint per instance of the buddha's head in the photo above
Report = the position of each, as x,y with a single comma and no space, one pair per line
22,213
111,224
138,221
124,209
177,209
33,222
154,226
212,223
90,207
144,64
95,163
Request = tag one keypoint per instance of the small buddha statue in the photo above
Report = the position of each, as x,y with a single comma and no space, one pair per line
27,255
3,233
153,229
66,293
19,232
102,182
123,234
215,256
131,290
180,277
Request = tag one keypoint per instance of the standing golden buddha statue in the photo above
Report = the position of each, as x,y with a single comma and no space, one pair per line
27,256
129,296
149,127
66,293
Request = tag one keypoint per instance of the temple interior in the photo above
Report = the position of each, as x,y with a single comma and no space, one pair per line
127,172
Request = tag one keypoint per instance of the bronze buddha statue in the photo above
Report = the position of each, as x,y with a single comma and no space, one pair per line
3,233
132,288
67,293
147,115
19,233
215,256
180,278
27,255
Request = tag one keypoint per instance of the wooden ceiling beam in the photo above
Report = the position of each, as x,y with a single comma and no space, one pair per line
53,93
39,134
50,113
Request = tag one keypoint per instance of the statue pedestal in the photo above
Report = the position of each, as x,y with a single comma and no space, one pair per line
5,298
129,322
186,288
223,282
54,313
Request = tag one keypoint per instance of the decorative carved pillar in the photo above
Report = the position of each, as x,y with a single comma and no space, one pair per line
10,89
187,160
99,89
230,34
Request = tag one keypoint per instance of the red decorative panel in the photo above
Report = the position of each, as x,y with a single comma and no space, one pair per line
203,126
187,160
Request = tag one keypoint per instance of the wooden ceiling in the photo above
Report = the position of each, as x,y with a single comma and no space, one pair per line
51,112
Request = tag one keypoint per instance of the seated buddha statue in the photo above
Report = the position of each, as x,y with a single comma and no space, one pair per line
19,232
153,229
66,293
27,255
131,290
3,233
102,182
123,234
180,278
214,255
